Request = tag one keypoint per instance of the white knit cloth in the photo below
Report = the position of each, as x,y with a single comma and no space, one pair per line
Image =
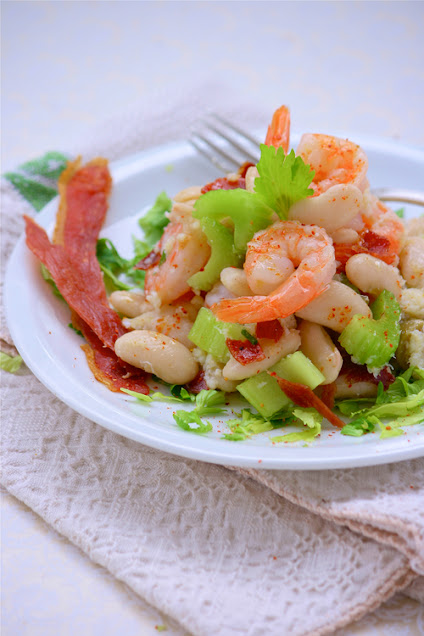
220,551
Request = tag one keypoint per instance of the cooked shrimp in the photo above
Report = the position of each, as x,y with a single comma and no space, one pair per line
278,133
305,247
186,252
334,161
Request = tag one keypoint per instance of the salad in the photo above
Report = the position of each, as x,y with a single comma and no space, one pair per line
287,283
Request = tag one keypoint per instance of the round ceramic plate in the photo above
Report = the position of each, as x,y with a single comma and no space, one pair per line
52,350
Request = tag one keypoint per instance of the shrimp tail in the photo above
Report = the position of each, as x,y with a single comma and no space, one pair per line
242,310
297,291
279,130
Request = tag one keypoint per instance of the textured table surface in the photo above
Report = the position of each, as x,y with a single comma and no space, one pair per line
67,65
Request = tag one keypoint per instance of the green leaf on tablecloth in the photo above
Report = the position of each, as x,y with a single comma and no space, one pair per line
37,194
10,363
50,165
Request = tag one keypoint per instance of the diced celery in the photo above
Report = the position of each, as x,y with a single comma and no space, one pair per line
296,367
223,254
264,394
247,211
373,341
209,334
263,391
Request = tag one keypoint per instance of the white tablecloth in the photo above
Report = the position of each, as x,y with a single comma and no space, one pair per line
340,66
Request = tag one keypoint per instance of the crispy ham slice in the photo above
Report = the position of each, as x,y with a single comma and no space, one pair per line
303,396
80,284
105,365
72,263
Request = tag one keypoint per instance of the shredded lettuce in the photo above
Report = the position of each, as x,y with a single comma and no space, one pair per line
402,404
10,363
246,425
153,396
154,222
283,179
77,331
208,401
48,278
310,418
179,391
113,265
190,421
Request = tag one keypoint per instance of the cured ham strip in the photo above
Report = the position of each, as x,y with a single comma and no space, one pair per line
303,396
270,329
106,366
78,284
71,260
244,351
84,194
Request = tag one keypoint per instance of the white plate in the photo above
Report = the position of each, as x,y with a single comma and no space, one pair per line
38,323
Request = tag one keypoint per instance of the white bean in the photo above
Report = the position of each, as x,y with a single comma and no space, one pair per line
335,307
412,262
130,304
415,226
251,174
234,279
346,388
331,210
345,235
169,320
371,275
321,350
288,343
155,353
217,293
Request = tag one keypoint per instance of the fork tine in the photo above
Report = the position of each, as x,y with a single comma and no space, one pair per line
239,131
214,153
223,144
248,155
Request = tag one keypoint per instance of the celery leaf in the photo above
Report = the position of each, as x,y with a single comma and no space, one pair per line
283,179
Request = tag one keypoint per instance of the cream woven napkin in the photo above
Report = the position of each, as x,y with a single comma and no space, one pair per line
220,551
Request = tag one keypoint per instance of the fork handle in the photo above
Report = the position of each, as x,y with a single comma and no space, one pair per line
402,196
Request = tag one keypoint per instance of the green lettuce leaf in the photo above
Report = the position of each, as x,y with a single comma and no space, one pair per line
310,418
208,401
154,222
48,278
153,396
190,421
246,425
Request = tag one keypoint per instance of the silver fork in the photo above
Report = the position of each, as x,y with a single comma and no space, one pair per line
227,146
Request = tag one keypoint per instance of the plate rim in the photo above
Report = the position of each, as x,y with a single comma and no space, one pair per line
181,446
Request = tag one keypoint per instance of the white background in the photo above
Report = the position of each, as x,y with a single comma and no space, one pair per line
354,66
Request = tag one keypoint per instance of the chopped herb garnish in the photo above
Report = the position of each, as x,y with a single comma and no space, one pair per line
249,337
